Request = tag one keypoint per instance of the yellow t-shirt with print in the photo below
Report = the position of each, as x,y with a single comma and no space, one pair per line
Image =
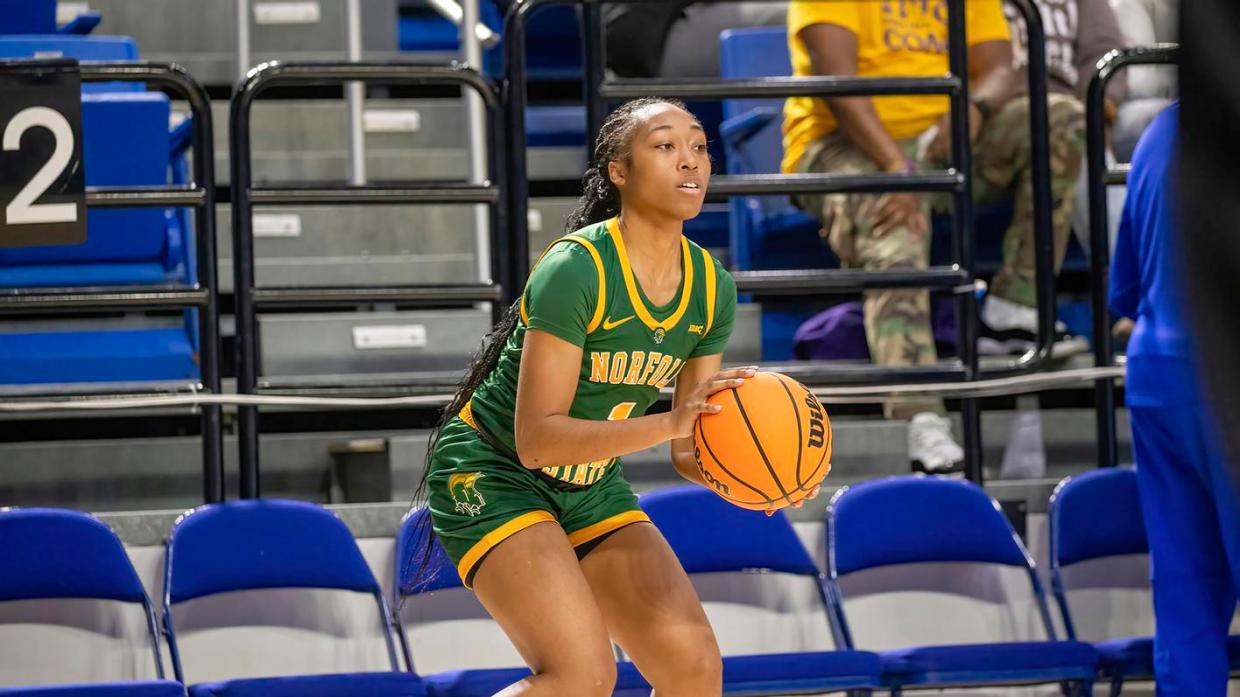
895,38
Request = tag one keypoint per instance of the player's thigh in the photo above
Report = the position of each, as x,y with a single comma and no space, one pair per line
532,585
650,606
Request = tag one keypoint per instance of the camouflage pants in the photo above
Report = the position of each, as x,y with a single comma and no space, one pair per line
897,321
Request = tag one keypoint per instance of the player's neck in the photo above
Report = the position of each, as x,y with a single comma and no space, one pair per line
653,244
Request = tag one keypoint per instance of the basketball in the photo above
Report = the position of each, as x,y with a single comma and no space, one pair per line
769,446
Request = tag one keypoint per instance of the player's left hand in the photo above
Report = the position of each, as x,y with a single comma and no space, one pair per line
800,503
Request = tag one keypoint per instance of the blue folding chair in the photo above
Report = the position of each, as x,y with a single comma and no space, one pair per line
416,576
710,535
883,523
268,544
1094,516
50,554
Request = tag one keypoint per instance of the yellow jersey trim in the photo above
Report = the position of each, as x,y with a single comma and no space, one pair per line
601,307
710,290
643,313
492,539
597,530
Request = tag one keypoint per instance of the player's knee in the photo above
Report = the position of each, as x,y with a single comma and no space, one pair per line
587,677
693,667
703,668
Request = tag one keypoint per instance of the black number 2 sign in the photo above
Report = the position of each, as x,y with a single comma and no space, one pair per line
42,180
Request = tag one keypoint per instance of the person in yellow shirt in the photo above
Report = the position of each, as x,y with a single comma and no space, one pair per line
908,38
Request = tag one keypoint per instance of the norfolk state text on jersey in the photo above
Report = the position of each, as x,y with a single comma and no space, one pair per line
652,369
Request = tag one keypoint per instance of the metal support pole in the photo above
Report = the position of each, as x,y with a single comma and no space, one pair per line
594,45
475,112
355,95
963,247
243,38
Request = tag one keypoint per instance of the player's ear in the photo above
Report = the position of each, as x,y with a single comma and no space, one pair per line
616,171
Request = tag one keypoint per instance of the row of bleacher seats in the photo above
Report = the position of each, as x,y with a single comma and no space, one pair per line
217,553
153,247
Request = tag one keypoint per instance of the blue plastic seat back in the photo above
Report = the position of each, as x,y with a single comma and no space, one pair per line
709,534
415,571
262,544
83,48
1097,514
125,143
52,553
27,16
884,522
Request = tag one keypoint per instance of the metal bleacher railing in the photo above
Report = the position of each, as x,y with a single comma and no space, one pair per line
250,299
1100,177
958,277
203,295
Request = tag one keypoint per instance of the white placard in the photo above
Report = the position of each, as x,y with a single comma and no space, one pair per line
533,219
389,336
392,120
49,54
68,11
302,12
277,225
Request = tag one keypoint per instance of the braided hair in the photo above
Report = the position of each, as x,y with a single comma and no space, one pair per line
600,200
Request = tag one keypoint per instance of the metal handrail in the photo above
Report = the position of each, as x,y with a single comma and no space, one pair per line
1100,258
249,298
204,295
956,180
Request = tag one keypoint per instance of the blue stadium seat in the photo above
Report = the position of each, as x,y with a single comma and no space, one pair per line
766,232
710,535
414,578
883,523
83,48
39,17
265,544
1093,516
53,554
126,142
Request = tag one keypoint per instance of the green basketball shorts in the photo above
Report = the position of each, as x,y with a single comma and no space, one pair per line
480,497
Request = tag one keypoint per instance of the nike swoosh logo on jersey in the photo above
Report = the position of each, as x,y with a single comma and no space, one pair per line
609,325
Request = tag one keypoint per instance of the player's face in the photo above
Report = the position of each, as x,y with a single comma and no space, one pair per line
668,168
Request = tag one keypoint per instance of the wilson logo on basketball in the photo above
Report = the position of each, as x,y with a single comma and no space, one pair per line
817,432
768,448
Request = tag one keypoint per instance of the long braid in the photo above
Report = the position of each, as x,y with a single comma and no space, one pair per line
600,200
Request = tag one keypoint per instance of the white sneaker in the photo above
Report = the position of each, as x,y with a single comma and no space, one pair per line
930,443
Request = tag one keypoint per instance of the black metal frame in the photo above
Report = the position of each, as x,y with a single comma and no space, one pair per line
1100,176
203,296
249,299
957,181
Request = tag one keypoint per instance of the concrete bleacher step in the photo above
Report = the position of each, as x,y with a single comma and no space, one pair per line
149,473
202,36
297,140
343,245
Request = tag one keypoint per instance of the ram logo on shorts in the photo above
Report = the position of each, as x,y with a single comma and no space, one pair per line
464,492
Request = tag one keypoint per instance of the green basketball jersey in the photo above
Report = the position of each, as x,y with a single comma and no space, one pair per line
583,291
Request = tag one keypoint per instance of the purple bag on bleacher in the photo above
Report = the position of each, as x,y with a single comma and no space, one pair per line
838,333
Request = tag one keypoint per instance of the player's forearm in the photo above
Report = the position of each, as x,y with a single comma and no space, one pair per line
559,439
859,121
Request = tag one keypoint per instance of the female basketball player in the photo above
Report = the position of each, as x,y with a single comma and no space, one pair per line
524,482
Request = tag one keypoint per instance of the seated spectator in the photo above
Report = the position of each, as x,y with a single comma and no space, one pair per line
906,133
1078,34
678,39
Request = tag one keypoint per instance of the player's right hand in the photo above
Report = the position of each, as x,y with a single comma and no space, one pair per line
684,416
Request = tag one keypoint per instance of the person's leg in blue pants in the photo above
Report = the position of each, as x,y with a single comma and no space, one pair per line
1193,524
